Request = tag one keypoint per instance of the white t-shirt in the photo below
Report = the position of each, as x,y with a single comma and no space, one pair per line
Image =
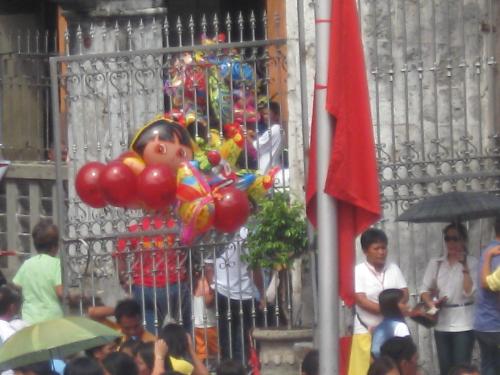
269,146
7,329
370,282
233,277
200,310
450,281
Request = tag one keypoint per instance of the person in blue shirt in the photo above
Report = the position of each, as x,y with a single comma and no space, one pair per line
393,308
487,314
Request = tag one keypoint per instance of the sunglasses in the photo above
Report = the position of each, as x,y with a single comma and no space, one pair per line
452,238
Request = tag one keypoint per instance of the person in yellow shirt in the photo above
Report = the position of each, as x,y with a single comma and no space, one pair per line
490,279
174,351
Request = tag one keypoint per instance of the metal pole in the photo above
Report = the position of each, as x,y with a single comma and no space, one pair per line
60,207
303,80
326,209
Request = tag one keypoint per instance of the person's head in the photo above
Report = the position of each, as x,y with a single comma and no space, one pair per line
230,367
403,351
144,358
45,237
118,363
392,304
100,352
455,238
163,141
383,366
83,366
374,244
464,369
10,301
271,115
310,363
176,339
128,316
39,368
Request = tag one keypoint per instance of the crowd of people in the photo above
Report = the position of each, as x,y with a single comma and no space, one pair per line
460,293
461,299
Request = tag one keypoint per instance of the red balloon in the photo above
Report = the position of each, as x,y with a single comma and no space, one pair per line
156,186
232,209
87,184
118,184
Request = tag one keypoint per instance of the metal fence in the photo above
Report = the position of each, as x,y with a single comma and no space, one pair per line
103,98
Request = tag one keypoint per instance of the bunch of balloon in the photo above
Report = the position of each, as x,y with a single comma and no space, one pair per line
165,168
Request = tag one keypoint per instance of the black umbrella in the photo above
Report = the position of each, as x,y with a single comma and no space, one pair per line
453,207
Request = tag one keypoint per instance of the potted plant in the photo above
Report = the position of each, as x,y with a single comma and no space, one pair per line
277,235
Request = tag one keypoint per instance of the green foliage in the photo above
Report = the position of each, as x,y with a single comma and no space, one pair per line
277,233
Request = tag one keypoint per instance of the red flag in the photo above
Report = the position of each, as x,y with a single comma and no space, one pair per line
352,177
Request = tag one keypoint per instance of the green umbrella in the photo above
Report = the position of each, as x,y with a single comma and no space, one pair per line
55,338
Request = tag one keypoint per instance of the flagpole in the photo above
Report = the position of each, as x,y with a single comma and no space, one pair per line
328,326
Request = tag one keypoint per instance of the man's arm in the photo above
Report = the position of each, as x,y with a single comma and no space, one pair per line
486,269
362,301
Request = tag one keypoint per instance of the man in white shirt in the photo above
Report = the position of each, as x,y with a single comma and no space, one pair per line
269,143
237,289
371,277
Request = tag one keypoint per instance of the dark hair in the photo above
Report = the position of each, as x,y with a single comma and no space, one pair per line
172,372
118,363
146,351
399,348
388,301
310,363
463,369
166,130
9,295
381,366
275,108
459,227
230,367
83,366
38,368
127,307
45,236
371,236
175,337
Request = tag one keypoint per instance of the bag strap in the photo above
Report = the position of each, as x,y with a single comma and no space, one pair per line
361,321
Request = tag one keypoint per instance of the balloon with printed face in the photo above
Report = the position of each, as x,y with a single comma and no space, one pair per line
118,184
156,186
87,184
232,209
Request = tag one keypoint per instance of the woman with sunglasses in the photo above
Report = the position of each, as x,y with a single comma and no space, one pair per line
448,285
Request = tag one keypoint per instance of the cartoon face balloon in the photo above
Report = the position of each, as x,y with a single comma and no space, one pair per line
163,142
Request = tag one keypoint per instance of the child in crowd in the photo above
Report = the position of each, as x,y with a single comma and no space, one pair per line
118,363
10,306
40,276
179,352
383,366
205,331
310,363
83,366
393,308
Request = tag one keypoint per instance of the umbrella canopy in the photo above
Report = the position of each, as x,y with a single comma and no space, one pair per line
55,338
453,207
